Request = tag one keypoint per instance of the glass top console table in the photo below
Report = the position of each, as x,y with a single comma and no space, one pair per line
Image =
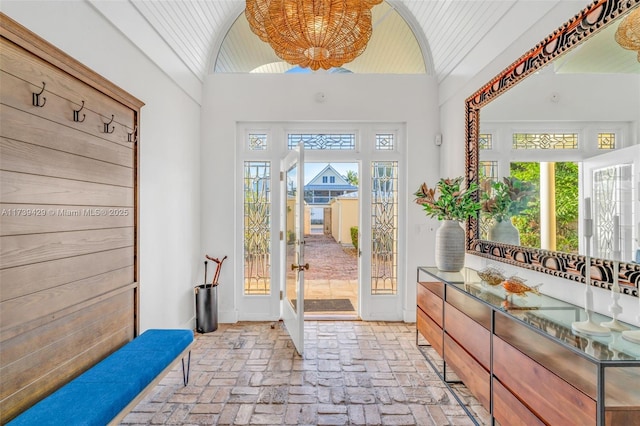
520,357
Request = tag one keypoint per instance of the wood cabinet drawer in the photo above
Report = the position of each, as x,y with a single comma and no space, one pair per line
478,311
469,334
429,330
474,376
430,302
435,287
552,399
508,410
577,371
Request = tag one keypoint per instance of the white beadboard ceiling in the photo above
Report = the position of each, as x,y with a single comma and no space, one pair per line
432,36
445,30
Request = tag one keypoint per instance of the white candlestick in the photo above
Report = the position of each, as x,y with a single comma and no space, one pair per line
588,326
588,300
588,294
587,222
587,208
588,230
616,234
616,277
615,307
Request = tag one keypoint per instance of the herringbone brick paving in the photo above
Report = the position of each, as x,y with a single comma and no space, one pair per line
329,260
352,373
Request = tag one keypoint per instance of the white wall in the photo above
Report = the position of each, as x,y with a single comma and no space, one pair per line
169,151
229,98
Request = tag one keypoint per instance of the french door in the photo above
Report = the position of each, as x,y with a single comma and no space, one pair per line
293,267
272,234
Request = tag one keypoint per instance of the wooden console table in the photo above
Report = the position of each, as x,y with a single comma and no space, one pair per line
520,358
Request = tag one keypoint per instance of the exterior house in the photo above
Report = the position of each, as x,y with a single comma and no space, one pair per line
325,186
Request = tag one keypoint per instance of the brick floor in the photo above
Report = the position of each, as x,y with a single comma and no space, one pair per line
332,274
328,259
352,373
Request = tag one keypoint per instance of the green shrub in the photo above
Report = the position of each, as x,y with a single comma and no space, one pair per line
354,236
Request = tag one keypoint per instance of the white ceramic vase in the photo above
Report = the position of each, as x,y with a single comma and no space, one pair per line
504,232
450,246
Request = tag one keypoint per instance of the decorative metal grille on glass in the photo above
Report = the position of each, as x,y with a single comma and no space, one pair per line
257,142
606,141
545,141
613,193
485,141
323,141
385,142
384,227
257,227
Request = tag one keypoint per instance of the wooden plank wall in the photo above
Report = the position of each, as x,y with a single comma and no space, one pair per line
68,224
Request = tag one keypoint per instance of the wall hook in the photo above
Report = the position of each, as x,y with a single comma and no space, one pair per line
106,126
35,97
133,136
76,114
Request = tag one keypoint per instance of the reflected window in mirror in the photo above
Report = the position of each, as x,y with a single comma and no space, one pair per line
545,141
485,141
606,141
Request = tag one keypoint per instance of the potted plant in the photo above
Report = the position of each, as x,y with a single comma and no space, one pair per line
451,203
501,201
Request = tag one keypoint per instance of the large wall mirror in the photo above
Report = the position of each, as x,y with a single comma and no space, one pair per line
562,125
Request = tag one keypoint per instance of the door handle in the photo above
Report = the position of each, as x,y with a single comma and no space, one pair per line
299,267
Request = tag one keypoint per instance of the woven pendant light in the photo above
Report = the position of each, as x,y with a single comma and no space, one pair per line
313,33
628,32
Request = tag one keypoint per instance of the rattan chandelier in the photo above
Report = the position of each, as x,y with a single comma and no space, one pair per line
313,33
628,32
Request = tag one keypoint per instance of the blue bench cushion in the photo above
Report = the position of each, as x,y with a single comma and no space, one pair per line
100,393
171,341
78,404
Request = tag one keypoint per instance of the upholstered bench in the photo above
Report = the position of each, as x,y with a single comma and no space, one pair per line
106,392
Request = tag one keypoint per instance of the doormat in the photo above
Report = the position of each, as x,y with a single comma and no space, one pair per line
326,305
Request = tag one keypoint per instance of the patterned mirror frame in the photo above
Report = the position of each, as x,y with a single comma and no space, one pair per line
587,22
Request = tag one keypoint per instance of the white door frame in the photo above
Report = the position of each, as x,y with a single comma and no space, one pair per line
370,307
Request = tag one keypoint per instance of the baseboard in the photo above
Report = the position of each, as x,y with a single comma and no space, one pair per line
409,315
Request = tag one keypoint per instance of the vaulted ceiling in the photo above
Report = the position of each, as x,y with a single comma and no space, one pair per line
452,40
445,32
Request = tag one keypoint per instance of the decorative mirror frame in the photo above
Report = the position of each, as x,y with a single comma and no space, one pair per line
565,265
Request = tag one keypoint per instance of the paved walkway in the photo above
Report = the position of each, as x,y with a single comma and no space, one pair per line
329,260
332,274
352,373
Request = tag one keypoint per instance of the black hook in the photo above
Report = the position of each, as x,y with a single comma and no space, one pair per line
76,114
133,134
106,126
35,99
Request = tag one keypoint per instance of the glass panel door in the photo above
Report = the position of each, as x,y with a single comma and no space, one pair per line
609,181
294,266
